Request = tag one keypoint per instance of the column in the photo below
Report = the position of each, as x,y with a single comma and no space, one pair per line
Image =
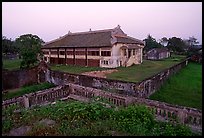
26,101
65,56
86,55
58,55
49,55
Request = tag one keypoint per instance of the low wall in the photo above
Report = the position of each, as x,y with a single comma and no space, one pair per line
18,78
141,89
21,77
184,115
38,98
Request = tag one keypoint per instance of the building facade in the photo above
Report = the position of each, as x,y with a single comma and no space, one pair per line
108,48
158,53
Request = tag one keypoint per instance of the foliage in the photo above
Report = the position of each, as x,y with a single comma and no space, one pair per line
133,73
176,45
180,87
8,46
92,119
30,48
150,43
75,69
27,89
164,41
12,64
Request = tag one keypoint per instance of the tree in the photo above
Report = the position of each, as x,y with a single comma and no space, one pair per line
150,43
192,45
176,45
164,41
8,46
30,49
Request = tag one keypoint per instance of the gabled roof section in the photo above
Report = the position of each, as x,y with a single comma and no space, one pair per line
159,50
83,39
128,40
98,38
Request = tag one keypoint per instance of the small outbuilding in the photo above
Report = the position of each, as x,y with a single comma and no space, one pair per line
158,53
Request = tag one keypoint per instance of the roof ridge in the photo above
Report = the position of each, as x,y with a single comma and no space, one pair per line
87,32
129,37
70,33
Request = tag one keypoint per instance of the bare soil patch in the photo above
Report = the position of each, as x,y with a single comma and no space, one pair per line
101,74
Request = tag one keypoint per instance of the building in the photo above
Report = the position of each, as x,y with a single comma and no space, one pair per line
158,53
108,48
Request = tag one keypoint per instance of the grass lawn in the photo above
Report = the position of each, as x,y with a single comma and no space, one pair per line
12,64
133,73
142,71
26,89
73,118
75,69
184,88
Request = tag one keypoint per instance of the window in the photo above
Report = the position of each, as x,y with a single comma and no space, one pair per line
105,62
93,53
70,52
80,52
53,52
45,52
105,53
133,52
62,52
125,52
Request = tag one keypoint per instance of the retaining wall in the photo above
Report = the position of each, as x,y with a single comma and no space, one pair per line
142,89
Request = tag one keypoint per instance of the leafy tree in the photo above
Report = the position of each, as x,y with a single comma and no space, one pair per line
192,41
176,45
164,41
150,43
8,46
30,49
192,46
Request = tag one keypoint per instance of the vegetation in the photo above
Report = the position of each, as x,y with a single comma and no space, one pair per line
75,69
8,46
142,71
26,89
184,88
150,43
133,73
174,44
90,119
30,49
12,64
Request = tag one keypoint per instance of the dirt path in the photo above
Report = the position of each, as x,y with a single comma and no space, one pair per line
101,74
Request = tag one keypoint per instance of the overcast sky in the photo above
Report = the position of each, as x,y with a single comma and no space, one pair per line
50,20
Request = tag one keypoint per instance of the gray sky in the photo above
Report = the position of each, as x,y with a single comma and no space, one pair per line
50,20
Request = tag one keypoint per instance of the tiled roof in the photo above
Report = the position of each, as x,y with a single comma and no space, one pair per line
128,40
159,50
92,39
99,38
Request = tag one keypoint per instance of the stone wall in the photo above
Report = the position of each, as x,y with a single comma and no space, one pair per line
174,113
38,98
21,77
18,78
141,89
